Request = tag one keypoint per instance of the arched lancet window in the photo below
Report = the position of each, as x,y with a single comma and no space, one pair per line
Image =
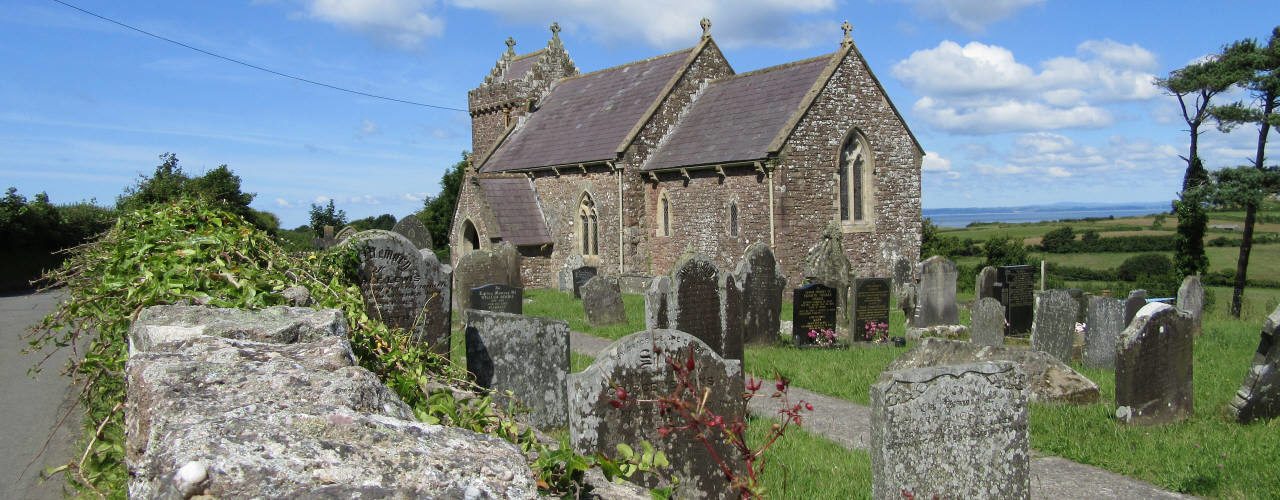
733,218
664,214
855,178
470,236
589,230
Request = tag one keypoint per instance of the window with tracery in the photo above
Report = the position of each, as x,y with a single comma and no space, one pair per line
589,227
855,179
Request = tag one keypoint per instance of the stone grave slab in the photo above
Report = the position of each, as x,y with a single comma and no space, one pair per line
1136,300
602,301
763,285
870,305
525,355
404,287
985,283
412,228
499,264
1103,325
1259,395
580,277
987,322
1054,328
951,431
655,303
1153,367
638,363
694,303
936,297
813,308
497,297
1191,300
1016,287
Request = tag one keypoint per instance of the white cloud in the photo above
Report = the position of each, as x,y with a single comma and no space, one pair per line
415,197
401,23
366,199
972,15
1057,172
1001,170
367,128
321,199
1008,116
934,162
674,23
283,203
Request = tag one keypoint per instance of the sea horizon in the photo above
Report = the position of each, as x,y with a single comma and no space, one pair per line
963,216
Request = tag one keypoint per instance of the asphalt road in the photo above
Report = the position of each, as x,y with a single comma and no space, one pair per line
30,408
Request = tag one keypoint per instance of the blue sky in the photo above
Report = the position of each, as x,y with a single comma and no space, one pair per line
1016,101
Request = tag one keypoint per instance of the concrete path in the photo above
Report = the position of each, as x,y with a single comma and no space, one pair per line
849,424
30,408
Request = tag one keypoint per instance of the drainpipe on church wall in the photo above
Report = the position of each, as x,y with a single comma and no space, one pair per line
618,173
770,175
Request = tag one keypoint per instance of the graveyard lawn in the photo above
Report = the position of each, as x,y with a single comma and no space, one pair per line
563,306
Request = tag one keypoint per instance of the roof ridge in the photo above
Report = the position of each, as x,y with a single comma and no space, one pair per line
620,66
526,56
777,67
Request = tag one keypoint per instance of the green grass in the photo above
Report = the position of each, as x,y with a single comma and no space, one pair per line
563,306
802,465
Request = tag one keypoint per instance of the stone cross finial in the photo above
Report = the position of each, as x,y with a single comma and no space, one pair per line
706,27
555,29
847,28
511,45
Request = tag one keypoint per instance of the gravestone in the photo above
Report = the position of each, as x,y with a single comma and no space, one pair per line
1153,367
763,285
1102,327
1082,303
1016,291
826,264
499,264
693,304
955,431
870,305
639,364
1259,395
346,232
413,229
907,302
987,322
602,301
1191,300
985,283
902,275
655,303
936,298
525,355
564,278
1048,380
1054,328
404,287
1137,300
580,277
497,297
813,308
732,313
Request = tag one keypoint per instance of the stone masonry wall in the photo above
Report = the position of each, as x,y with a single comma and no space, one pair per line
700,216
560,197
471,206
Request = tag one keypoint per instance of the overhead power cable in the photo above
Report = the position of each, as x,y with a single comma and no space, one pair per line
251,65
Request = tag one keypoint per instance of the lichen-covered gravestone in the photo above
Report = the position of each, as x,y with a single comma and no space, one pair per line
1137,300
404,287
602,301
497,297
902,277
1259,395
655,303
763,285
826,264
693,304
732,310
1153,367
1103,325
525,355
1054,328
987,322
638,363
870,305
985,283
498,264
1191,300
412,228
346,232
950,432
936,298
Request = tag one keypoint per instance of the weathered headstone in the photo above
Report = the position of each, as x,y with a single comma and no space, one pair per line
950,431
525,355
655,303
902,275
639,364
404,287
763,285
987,322
580,277
497,297
732,311
1102,326
1048,380
346,232
985,283
936,298
1153,367
907,302
1137,300
1016,291
826,264
499,264
813,308
870,305
1054,328
564,278
1082,303
693,304
602,301
413,229
1259,395
1191,300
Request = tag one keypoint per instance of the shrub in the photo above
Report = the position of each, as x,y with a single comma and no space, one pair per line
1144,265
1058,240
1004,251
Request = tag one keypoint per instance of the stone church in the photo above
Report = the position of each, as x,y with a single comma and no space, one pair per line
628,167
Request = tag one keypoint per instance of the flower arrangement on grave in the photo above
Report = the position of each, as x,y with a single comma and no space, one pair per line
876,331
825,337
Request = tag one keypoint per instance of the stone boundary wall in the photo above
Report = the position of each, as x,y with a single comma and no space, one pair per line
233,403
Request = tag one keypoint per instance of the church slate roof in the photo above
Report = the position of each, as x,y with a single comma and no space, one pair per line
584,118
515,206
737,117
521,65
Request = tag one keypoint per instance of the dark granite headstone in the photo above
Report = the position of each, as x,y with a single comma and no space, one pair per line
985,283
1103,325
694,303
813,308
602,301
580,277
870,305
1153,367
499,264
1259,395
936,297
763,285
1054,328
413,229
525,355
1191,300
655,303
497,297
404,287
1136,300
639,364
1016,287
986,325
733,310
